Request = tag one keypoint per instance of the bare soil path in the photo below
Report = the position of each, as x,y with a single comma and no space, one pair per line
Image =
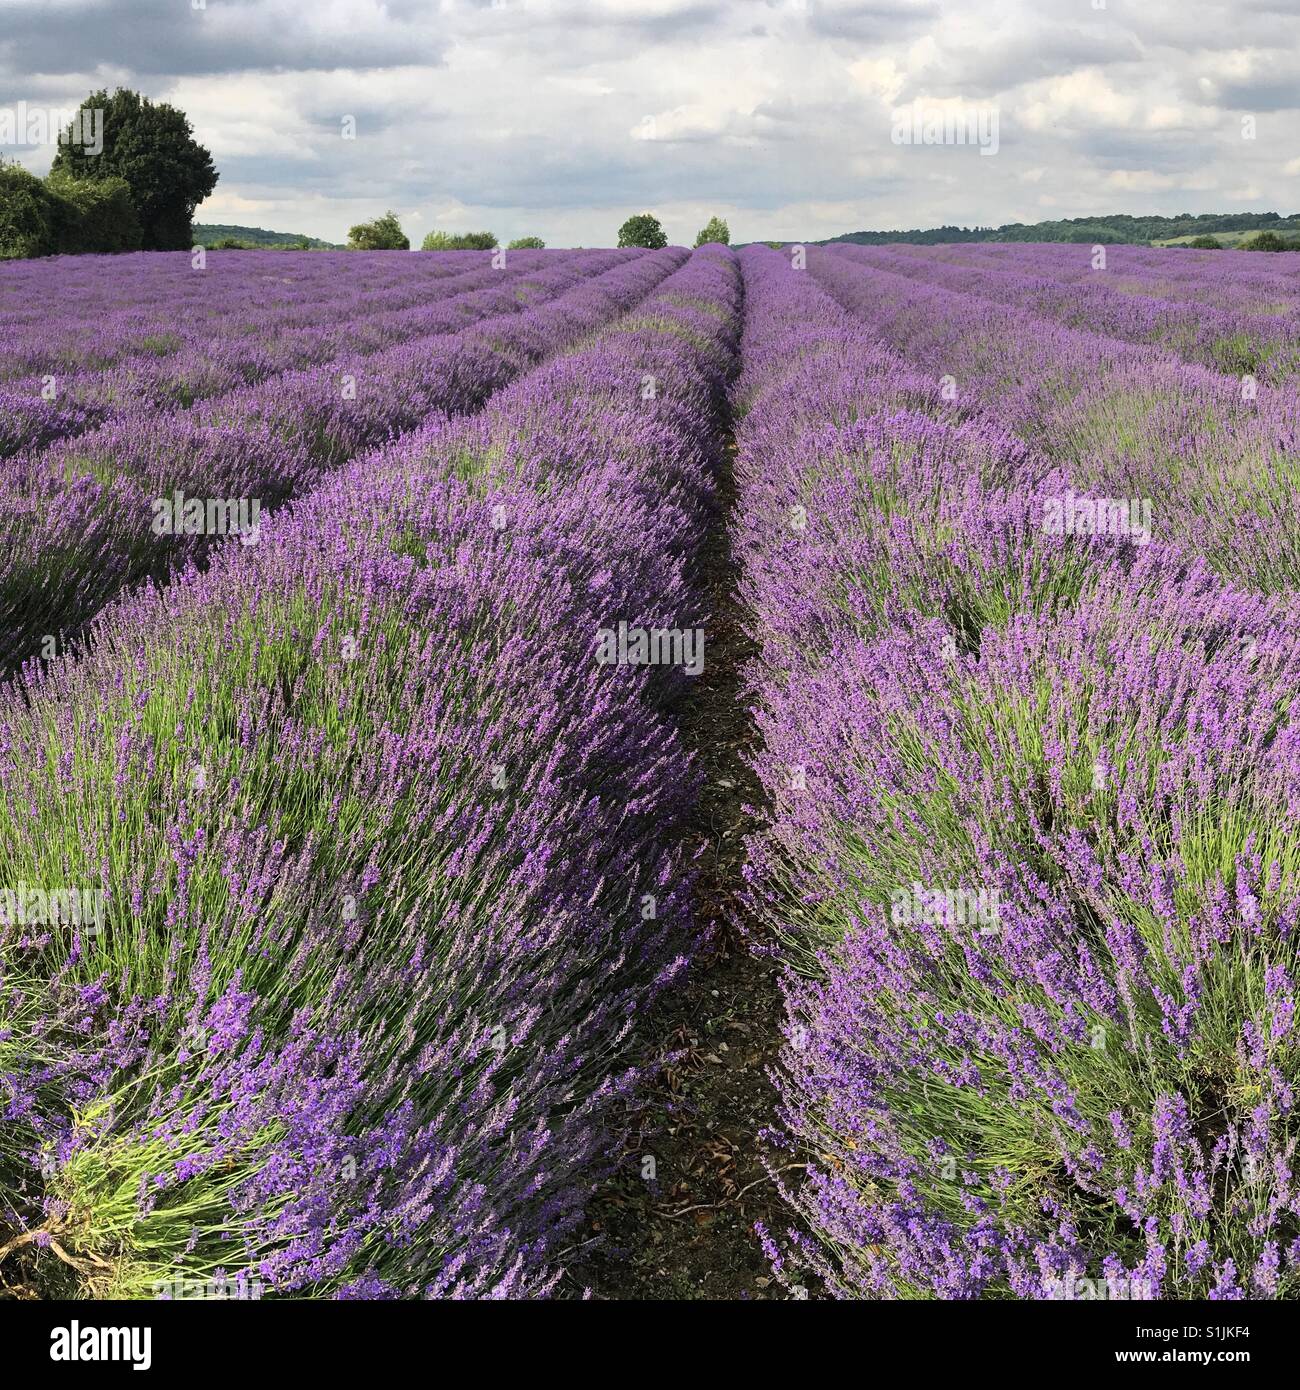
689,1232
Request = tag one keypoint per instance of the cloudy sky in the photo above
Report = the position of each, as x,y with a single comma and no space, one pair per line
559,117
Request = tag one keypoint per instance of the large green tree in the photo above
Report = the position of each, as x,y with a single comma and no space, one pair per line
152,147
642,229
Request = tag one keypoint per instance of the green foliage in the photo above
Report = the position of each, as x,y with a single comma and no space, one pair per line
31,216
1264,241
930,237
250,238
1118,227
642,229
234,243
1205,243
99,215
383,234
1095,233
459,241
527,243
64,216
151,147
715,229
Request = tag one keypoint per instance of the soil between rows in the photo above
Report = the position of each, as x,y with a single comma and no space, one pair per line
708,1044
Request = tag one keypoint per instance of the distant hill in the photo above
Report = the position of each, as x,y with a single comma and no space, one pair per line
1117,228
207,233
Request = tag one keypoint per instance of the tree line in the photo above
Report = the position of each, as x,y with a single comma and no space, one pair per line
641,229
1109,229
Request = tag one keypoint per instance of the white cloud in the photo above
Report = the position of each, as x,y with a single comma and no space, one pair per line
881,78
1077,100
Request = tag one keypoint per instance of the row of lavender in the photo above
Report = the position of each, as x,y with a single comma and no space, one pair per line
1225,336
209,357
61,317
90,515
388,862
1213,455
1031,795
1241,282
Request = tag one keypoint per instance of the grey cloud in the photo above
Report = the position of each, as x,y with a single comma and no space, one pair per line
1034,52
153,38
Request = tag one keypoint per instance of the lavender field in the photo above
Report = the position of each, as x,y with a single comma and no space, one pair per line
360,740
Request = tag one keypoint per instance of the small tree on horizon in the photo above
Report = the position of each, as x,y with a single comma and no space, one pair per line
383,234
527,243
642,229
715,229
